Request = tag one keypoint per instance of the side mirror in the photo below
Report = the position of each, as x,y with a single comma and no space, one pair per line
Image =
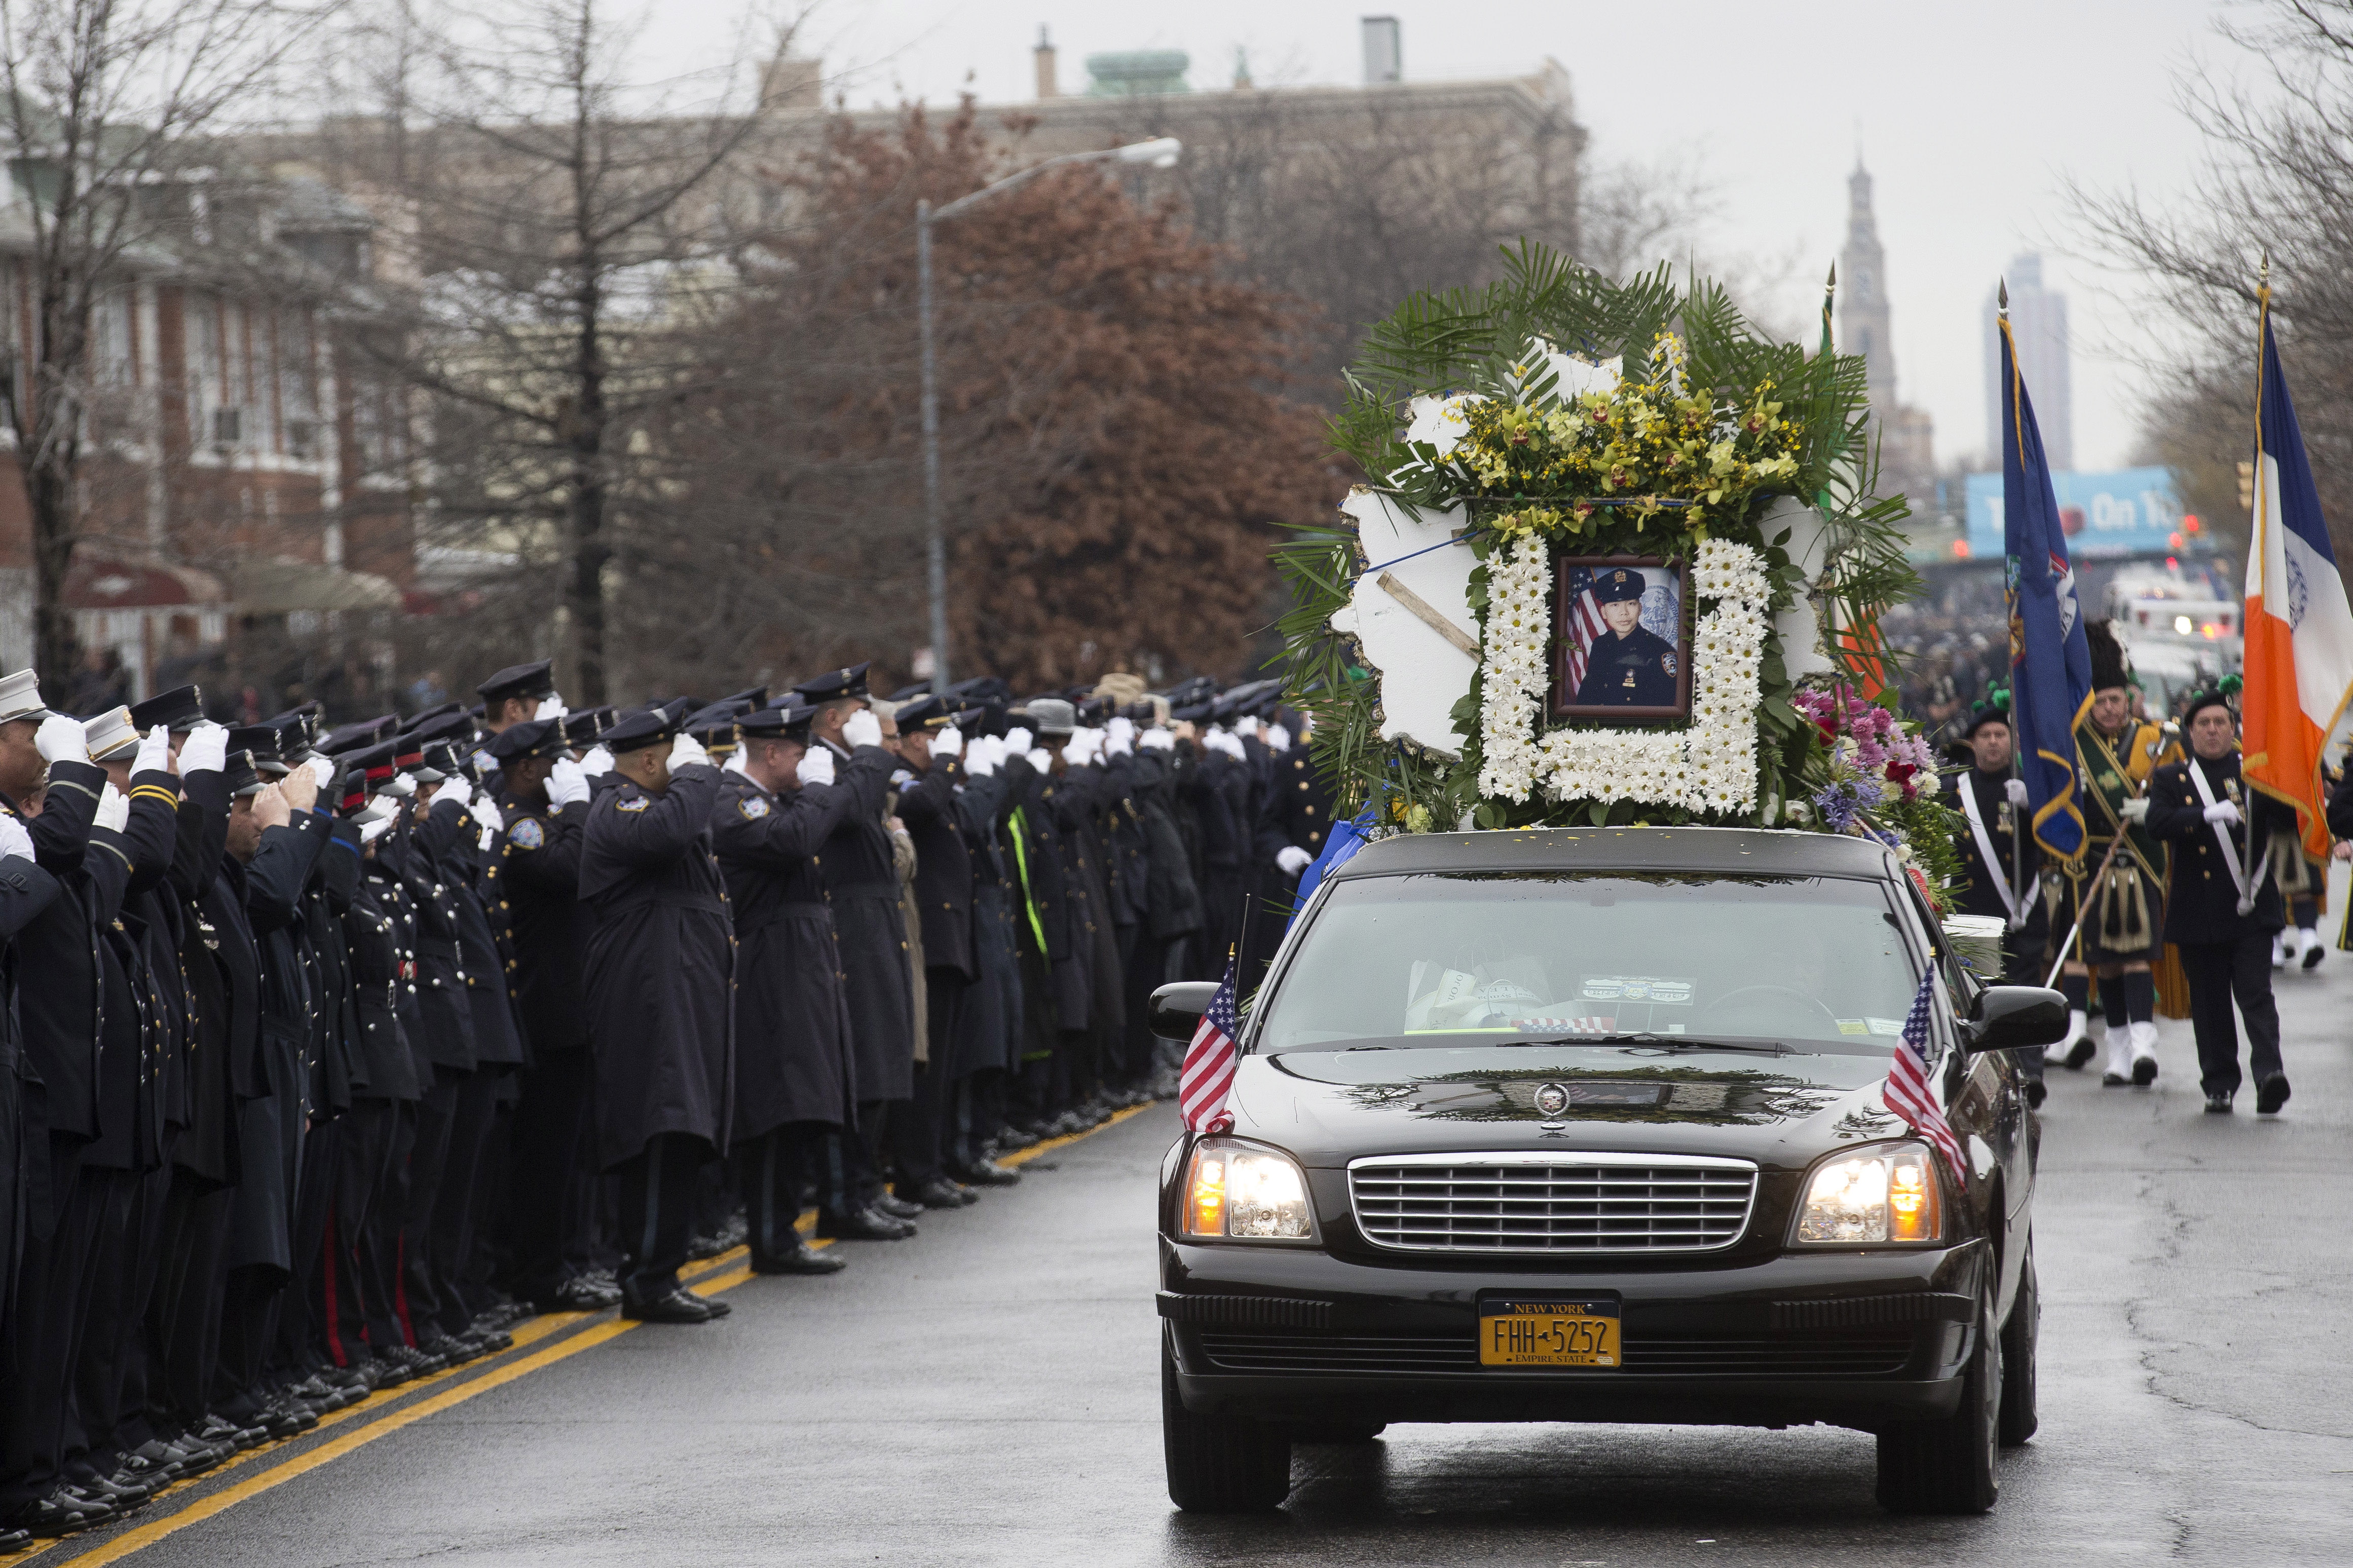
1175,1011
2013,1017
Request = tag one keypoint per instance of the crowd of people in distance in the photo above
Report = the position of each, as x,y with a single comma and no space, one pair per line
334,1053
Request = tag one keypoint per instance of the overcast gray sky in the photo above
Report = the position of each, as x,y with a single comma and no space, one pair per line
1967,114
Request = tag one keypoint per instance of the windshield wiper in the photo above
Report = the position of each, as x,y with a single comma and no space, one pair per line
1667,1042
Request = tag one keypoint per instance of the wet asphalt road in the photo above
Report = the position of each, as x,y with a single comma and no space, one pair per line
988,1393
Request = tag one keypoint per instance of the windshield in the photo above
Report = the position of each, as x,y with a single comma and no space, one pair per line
1811,962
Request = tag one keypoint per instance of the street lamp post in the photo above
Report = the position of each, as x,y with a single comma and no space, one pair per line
1161,152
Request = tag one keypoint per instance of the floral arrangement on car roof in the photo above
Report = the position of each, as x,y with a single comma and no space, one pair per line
1719,446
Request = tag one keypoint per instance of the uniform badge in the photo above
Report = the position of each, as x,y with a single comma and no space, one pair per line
527,834
635,803
1667,663
752,806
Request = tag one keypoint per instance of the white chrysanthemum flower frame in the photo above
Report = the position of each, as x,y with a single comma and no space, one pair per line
1709,766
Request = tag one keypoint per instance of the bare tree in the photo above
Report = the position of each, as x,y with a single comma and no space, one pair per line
108,107
2277,180
554,211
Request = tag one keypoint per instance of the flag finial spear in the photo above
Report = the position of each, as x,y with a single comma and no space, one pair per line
2001,297
2263,276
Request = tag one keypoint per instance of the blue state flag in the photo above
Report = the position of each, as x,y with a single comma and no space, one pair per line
2049,662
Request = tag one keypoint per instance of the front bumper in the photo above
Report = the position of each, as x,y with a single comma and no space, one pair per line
1863,1340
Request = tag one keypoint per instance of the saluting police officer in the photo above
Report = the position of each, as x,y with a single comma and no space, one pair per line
1628,666
794,1068
2001,864
660,976
2224,907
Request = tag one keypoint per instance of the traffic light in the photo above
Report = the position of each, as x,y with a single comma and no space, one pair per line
2246,487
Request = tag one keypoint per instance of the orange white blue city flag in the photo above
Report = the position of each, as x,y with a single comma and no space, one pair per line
2299,627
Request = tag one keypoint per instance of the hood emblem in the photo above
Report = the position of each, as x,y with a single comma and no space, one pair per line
1552,1100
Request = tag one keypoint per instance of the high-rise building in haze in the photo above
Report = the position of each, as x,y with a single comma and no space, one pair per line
1906,437
2038,322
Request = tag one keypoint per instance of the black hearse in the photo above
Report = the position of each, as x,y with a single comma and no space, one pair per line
1567,1125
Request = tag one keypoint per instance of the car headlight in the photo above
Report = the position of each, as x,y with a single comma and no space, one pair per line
1886,1195
1237,1192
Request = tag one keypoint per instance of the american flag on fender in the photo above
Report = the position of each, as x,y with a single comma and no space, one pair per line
1209,1063
1906,1089
1580,626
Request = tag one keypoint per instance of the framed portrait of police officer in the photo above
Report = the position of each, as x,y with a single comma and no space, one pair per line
1622,638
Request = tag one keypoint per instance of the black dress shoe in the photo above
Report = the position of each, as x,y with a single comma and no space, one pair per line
863,1224
2081,1052
2271,1094
896,1207
577,1294
58,1513
2143,1071
802,1259
984,1172
2036,1091
714,1306
2218,1102
675,1305
14,1541
2313,953
937,1193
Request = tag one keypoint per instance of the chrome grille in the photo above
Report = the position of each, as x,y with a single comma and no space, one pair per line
1547,1203
1883,1352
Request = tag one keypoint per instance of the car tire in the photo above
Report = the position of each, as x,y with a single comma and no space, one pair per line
1220,1464
2020,1337
1333,1432
1948,1466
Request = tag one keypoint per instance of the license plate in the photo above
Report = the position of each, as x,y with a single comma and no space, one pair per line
1549,1331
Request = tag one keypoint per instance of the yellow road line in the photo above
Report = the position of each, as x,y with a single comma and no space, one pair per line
724,1272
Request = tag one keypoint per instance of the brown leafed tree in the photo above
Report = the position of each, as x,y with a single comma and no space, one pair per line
1118,452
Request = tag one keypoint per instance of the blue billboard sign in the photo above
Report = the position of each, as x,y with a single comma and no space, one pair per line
2125,511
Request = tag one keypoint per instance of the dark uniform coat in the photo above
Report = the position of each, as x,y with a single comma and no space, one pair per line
794,1059
541,855
861,875
943,888
1637,670
660,969
2203,903
2019,864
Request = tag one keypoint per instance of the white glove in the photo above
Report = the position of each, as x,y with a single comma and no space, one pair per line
486,812
1157,740
2134,810
980,761
1078,754
948,742
323,769
1120,728
15,842
1041,760
459,790
1277,738
154,753
1231,745
862,730
2221,810
2015,790
552,708
61,740
113,808
567,782
1292,859
735,763
598,763
1017,741
372,831
1246,725
402,787
391,805
817,765
205,751
686,751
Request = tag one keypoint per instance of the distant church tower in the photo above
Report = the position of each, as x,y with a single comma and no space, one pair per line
1906,437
